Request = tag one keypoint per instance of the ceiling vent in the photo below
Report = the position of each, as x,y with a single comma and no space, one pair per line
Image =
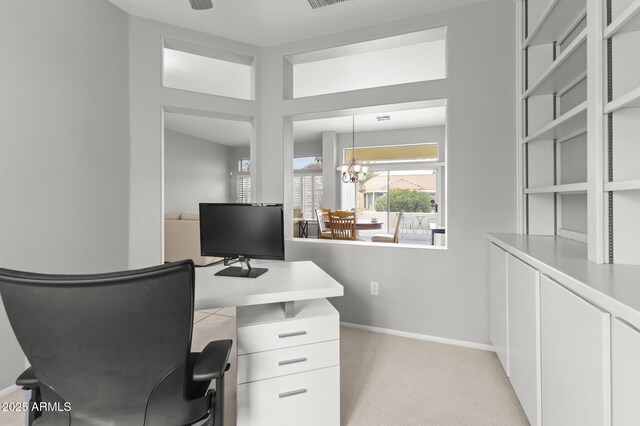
322,3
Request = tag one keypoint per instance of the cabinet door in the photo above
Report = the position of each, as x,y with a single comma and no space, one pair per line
498,303
311,398
625,372
523,313
575,359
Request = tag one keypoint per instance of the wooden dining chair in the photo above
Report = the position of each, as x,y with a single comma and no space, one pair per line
389,238
343,225
322,216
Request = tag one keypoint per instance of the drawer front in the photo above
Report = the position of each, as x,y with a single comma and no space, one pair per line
279,362
310,399
284,334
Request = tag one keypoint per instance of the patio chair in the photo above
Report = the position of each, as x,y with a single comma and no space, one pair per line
389,238
406,223
322,216
343,225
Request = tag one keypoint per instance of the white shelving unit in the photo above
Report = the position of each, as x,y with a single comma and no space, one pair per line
580,98
555,110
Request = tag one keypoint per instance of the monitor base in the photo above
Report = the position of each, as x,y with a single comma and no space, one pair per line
237,271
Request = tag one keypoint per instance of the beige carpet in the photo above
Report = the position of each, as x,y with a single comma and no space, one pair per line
389,380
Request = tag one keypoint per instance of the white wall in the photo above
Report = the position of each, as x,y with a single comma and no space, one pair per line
147,99
195,171
310,149
64,151
431,292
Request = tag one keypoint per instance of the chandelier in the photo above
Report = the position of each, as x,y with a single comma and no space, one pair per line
353,172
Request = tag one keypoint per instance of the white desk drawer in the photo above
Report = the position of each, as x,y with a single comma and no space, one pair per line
310,399
279,362
284,334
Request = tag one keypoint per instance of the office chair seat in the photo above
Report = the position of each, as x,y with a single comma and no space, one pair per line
114,349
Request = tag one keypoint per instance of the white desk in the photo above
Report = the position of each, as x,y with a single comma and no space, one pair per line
283,282
288,359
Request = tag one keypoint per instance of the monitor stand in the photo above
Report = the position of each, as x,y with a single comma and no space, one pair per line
240,271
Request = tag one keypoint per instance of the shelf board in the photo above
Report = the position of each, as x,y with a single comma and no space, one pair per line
564,70
573,235
628,20
631,99
624,185
568,123
558,189
572,135
553,23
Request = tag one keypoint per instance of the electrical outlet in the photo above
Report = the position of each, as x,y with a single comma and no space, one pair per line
374,288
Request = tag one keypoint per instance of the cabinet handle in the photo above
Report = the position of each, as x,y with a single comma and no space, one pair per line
292,393
292,361
291,334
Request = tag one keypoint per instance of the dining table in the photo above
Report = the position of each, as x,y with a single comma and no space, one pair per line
362,225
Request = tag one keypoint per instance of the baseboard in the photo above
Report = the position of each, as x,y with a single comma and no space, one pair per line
8,391
463,343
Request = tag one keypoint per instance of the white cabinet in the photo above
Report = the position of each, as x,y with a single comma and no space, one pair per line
625,372
288,368
575,359
523,300
498,303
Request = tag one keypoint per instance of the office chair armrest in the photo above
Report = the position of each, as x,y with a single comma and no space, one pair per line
212,361
28,379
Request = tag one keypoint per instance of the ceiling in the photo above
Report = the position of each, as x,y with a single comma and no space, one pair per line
311,130
238,133
273,22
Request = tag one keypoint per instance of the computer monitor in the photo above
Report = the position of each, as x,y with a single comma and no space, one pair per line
240,232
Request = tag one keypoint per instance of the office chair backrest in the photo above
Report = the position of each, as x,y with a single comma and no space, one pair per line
103,343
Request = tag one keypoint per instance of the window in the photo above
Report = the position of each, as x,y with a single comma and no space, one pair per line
244,165
388,190
394,153
307,185
405,58
204,69
243,189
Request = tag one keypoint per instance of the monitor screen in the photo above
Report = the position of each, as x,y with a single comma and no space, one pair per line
254,231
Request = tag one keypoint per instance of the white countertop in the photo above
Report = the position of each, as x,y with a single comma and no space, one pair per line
615,288
283,282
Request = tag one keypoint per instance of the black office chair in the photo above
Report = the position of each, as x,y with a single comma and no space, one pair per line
115,348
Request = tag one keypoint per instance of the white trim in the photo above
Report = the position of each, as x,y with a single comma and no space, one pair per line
520,178
366,243
8,391
596,219
416,336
